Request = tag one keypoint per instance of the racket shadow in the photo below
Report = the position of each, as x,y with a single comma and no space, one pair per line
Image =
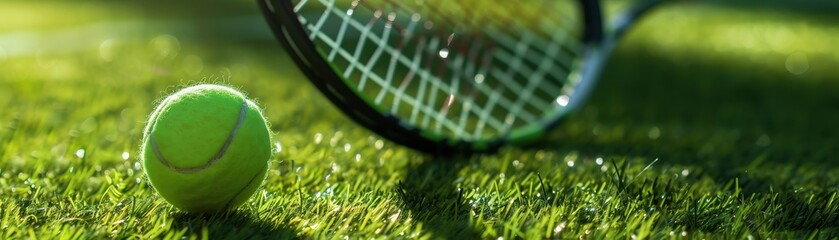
430,194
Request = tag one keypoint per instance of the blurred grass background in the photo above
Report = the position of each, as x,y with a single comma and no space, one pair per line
713,119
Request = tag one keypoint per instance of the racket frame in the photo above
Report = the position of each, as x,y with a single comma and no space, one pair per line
288,29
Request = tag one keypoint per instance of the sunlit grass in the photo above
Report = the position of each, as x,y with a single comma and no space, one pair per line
23,15
795,42
680,140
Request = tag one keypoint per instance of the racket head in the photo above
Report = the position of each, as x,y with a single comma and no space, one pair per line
316,60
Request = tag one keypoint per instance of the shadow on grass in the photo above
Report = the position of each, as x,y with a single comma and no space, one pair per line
745,124
713,111
430,194
231,225
825,7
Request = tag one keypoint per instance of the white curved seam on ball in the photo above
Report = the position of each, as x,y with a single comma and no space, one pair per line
241,190
215,158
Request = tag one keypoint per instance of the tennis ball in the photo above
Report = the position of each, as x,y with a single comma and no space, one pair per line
206,148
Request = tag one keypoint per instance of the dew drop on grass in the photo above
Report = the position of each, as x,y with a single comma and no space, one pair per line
165,46
479,78
125,155
763,140
357,157
347,147
318,138
654,133
559,227
395,216
192,64
335,138
562,100
390,18
278,147
379,144
444,53
599,161
596,130
106,50
571,157
797,63
428,25
80,153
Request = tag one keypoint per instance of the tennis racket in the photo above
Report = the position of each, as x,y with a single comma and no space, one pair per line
451,77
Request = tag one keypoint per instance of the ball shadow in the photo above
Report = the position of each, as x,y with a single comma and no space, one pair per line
231,225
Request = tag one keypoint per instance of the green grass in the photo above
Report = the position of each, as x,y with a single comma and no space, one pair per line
697,130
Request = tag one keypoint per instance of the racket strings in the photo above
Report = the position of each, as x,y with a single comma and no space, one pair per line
436,84
564,60
457,78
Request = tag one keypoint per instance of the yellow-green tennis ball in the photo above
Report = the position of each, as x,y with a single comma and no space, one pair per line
206,148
